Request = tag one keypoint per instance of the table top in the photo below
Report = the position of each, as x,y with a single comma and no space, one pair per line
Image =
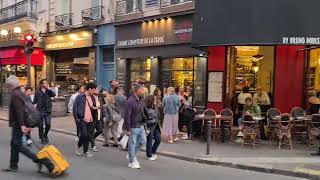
212,117
259,118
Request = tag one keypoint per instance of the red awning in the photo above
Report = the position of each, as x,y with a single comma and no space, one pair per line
17,56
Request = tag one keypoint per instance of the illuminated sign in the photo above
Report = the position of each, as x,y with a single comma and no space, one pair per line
69,41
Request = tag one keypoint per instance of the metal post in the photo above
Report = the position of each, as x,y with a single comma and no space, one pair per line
209,124
29,68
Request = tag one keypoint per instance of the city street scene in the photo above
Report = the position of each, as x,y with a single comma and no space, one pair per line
159,89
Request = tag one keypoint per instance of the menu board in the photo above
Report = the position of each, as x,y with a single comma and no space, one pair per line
63,68
215,86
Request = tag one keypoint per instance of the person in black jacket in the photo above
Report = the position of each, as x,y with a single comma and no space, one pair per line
17,123
42,100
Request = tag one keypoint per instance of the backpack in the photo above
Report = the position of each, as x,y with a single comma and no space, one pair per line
32,115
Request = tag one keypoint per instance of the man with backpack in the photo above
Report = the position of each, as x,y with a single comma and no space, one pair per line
17,121
42,100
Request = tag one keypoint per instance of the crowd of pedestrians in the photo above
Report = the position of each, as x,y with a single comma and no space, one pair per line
141,117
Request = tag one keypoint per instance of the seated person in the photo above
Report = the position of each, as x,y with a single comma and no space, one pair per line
314,102
186,113
261,97
242,97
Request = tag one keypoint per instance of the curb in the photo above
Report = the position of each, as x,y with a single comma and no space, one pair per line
218,163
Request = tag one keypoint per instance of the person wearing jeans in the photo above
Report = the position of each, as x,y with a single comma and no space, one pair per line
82,113
134,120
153,128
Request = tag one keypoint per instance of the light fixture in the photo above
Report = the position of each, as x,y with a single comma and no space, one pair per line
151,57
85,34
29,37
17,30
256,69
257,57
73,36
4,32
59,37
201,55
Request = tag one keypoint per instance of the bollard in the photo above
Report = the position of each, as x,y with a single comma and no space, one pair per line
209,123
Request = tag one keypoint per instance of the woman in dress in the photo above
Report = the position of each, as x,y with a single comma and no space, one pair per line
170,109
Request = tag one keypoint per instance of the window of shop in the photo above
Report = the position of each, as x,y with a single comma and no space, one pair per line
185,72
313,81
251,66
140,69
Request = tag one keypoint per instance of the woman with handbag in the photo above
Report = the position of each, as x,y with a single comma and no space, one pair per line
112,122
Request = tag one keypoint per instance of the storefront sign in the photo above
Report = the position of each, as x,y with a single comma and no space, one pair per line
63,68
78,39
248,22
167,31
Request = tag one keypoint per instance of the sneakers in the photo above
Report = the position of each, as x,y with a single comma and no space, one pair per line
151,158
94,149
78,151
134,160
155,157
29,142
239,140
134,165
88,155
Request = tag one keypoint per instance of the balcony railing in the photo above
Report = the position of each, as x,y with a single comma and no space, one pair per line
165,3
63,20
26,8
92,14
128,6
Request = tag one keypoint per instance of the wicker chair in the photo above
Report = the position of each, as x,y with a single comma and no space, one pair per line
209,112
249,130
299,126
226,123
284,130
314,132
273,116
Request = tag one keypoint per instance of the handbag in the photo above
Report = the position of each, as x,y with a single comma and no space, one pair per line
116,116
124,141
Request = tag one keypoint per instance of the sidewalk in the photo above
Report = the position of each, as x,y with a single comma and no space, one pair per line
263,158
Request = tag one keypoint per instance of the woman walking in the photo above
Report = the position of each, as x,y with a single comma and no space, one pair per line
170,110
153,128
112,122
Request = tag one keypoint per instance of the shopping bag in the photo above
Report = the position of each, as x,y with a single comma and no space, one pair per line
124,141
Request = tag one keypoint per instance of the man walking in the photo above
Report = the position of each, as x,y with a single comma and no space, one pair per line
82,113
17,123
42,100
80,90
134,121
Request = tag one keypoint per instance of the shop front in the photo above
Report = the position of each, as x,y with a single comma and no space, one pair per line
71,59
159,52
250,47
13,61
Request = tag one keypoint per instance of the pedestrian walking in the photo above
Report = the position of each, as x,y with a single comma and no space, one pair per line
153,128
112,122
42,100
134,121
17,118
82,113
113,85
170,109
97,128
79,90
28,92
120,100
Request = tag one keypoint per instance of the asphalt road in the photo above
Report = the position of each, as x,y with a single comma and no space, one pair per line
110,163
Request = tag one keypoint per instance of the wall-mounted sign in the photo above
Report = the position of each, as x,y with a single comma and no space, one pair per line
63,68
215,86
72,40
166,31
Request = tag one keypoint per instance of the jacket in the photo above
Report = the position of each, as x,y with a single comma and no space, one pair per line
43,100
171,104
79,107
71,101
16,109
135,114
153,119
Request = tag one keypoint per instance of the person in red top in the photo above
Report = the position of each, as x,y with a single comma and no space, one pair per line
82,113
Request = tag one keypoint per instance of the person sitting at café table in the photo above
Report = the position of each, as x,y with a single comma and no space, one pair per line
261,97
314,101
242,97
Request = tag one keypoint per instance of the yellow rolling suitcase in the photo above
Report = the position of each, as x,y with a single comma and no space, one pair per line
54,155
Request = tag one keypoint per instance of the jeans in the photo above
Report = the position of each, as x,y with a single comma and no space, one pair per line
17,147
78,127
85,129
96,130
136,139
46,119
153,146
114,132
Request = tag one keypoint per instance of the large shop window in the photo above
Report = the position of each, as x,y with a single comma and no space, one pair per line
185,72
140,69
249,66
313,81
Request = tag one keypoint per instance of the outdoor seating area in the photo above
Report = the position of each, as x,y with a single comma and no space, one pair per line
280,129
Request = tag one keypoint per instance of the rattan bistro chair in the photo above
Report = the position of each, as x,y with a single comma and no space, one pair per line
224,124
249,130
273,116
284,130
314,132
299,126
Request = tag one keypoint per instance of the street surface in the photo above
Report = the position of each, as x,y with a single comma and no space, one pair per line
110,163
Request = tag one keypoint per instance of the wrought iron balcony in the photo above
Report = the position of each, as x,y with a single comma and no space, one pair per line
165,3
63,20
92,14
128,6
26,8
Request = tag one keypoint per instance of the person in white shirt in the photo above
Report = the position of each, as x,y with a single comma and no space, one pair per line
261,97
54,88
244,95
